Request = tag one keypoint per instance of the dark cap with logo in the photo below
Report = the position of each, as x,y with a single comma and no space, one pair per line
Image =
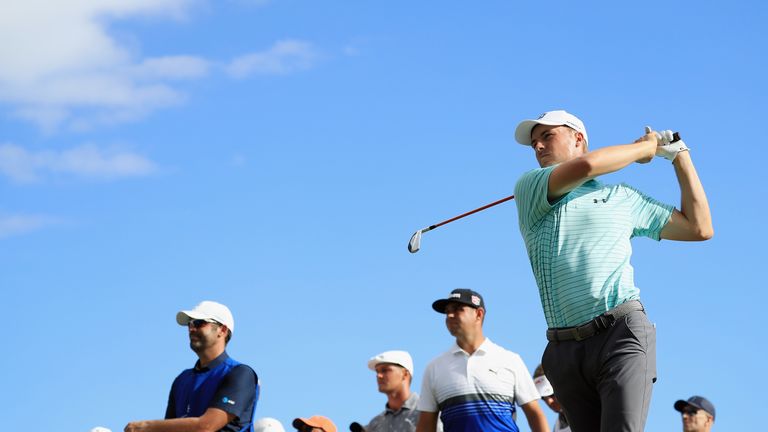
697,402
460,295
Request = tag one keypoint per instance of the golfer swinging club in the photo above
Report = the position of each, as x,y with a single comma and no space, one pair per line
601,355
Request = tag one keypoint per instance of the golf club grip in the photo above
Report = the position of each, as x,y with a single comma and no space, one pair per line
471,212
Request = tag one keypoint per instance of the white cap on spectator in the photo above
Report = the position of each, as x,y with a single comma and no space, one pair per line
401,358
267,424
543,386
208,310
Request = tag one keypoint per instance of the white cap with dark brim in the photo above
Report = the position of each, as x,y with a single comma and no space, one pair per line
549,118
208,310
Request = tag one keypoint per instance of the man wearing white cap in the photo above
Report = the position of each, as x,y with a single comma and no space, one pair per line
218,393
394,374
601,356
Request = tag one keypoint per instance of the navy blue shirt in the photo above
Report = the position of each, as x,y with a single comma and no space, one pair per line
224,384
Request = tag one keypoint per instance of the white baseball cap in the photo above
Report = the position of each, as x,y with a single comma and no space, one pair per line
401,358
208,310
100,429
543,386
267,424
549,118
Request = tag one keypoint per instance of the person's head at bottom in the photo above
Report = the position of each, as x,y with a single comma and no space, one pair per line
267,424
698,414
545,390
314,424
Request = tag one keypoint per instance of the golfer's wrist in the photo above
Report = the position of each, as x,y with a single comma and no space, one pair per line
647,149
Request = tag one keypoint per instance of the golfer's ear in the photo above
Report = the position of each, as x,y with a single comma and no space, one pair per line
580,140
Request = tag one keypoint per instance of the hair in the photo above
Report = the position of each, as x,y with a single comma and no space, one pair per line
229,332
586,145
538,372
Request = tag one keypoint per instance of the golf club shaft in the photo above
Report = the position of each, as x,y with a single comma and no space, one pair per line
431,227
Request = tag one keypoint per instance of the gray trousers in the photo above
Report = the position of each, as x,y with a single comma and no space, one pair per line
604,382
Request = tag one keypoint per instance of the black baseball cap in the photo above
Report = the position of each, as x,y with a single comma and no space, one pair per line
697,402
460,295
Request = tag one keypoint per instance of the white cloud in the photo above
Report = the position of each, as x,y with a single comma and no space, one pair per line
176,67
17,224
62,66
283,57
88,161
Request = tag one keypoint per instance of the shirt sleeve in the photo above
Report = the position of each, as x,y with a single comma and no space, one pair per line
650,216
170,410
427,401
237,392
531,196
525,389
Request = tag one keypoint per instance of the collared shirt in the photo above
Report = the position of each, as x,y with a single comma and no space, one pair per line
403,420
224,384
579,247
478,391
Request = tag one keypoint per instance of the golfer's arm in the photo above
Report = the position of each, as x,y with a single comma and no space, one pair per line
535,416
693,222
573,173
211,421
427,422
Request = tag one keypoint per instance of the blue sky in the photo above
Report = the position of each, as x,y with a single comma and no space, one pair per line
276,156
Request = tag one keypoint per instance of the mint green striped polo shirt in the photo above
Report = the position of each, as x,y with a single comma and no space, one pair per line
579,247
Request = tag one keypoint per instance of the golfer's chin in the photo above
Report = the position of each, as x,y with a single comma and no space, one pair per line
546,161
196,346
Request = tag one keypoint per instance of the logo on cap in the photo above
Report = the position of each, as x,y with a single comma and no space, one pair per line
476,300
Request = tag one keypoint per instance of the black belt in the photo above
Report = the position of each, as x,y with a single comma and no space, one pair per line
599,323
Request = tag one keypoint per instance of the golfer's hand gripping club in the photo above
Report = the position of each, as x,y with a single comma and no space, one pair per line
670,143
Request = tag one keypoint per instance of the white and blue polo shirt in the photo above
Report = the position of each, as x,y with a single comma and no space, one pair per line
477,392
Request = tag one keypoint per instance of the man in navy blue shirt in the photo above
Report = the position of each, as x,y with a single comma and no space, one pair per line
219,393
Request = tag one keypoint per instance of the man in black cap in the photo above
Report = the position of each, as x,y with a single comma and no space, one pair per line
474,386
698,414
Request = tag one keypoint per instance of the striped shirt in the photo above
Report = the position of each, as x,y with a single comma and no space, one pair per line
477,392
579,246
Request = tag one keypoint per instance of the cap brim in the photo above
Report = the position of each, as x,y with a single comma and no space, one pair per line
440,305
524,129
184,317
682,404
373,363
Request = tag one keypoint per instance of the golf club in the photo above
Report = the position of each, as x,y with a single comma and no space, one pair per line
415,243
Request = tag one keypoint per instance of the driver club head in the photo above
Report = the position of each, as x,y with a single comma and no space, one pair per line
415,243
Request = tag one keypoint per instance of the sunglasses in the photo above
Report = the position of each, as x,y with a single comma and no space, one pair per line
197,323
